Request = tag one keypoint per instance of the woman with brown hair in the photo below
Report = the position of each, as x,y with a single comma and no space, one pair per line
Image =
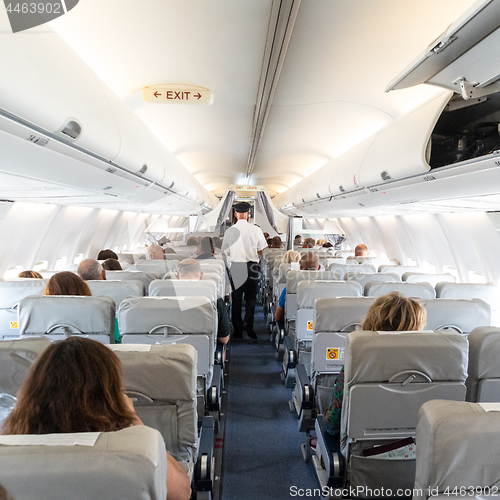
30,274
112,265
92,402
66,283
392,312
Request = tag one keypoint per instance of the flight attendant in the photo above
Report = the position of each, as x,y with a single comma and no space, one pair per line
243,244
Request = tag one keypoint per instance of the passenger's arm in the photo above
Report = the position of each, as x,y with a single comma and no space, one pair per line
178,484
279,314
333,413
223,325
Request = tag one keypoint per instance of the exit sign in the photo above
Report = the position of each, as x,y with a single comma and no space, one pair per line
177,94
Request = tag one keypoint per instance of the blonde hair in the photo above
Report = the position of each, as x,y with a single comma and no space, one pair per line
395,312
290,256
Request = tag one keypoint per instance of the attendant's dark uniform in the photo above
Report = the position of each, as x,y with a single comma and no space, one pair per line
241,243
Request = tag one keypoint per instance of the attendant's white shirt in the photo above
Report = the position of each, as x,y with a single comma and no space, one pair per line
242,242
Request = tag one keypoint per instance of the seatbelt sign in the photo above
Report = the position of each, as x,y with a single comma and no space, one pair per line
334,353
310,326
14,325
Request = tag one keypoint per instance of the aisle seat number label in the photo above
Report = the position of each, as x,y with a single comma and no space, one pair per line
310,326
334,353
14,324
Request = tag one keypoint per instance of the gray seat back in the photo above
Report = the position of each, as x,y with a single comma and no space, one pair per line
145,278
16,358
11,292
483,382
393,374
183,288
364,278
341,270
61,316
461,315
414,290
399,270
487,292
217,279
451,436
158,267
152,320
117,290
432,279
130,463
126,257
161,381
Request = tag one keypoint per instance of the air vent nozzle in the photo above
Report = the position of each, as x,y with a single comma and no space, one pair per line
385,176
341,189
143,169
71,129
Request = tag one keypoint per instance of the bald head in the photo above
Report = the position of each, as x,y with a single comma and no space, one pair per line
91,269
309,262
155,252
361,251
189,269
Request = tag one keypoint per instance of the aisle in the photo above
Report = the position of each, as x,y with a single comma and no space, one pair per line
262,457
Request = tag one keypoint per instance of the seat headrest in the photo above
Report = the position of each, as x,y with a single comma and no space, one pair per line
188,314
342,269
11,292
183,288
414,290
90,315
164,372
294,277
309,291
117,290
378,356
460,313
340,314
364,278
484,291
432,279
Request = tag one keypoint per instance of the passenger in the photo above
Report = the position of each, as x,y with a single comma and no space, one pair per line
190,269
320,242
154,252
66,283
308,262
205,248
30,274
91,269
244,244
111,265
276,242
93,401
290,256
107,254
389,313
269,242
192,241
361,251
297,240
267,236
327,245
309,243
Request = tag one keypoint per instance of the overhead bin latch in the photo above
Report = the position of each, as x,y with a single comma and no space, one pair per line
466,88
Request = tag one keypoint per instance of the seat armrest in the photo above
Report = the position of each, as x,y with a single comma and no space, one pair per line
219,354
215,390
204,473
292,355
328,448
306,390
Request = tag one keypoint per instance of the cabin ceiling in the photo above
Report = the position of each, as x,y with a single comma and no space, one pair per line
330,95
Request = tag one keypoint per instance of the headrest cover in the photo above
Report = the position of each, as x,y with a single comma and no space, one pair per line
451,435
333,315
11,292
188,314
165,372
183,288
309,291
364,278
376,357
342,269
293,278
462,313
433,279
414,290
399,270
117,290
484,291
91,315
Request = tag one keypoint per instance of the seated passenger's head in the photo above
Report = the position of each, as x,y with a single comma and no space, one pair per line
155,252
217,242
276,242
192,241
107,254
266,235
297,240
290,256
206,245
75,385
395,313
361,251
112,265
189,269
320,242
309,262
66,283
327,245
309,243
90,269
30,274
269,243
